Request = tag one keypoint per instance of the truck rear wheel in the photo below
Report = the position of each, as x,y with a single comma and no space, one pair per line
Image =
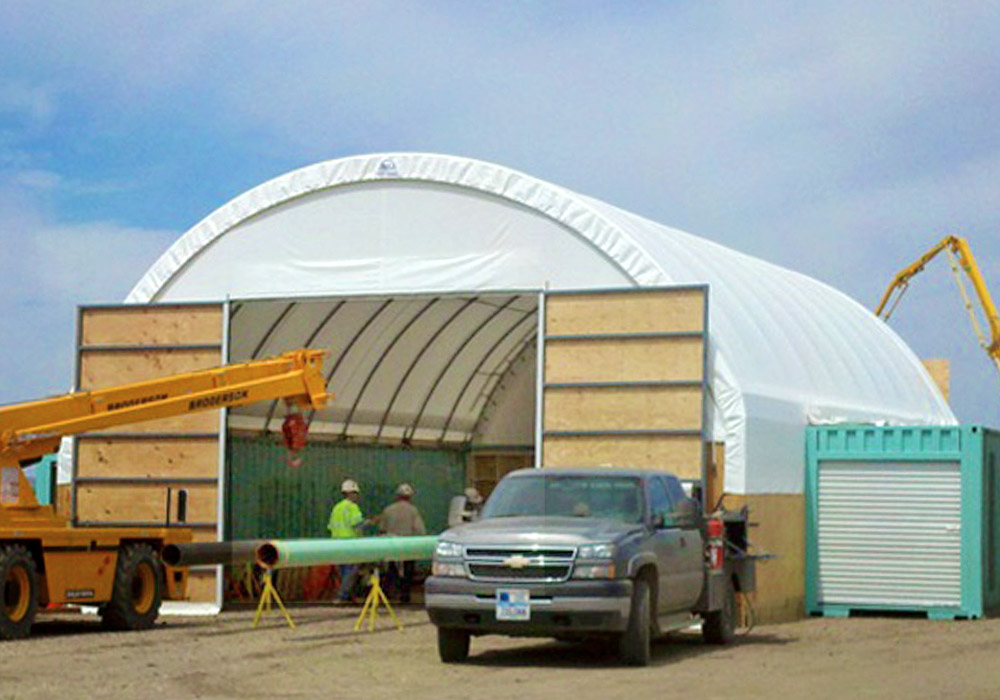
633,644
135,599
19,581
453,645
719,626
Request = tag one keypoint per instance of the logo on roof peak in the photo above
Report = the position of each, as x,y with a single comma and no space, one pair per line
387,168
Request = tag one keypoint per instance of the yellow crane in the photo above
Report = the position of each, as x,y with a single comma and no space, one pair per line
45,559
961,260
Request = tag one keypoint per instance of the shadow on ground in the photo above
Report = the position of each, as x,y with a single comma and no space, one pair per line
595,654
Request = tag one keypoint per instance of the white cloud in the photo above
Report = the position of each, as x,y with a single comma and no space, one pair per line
48,269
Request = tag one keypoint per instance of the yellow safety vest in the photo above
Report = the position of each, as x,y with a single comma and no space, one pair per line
344,517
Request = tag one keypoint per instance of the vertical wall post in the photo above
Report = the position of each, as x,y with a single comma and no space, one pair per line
540,381
221,493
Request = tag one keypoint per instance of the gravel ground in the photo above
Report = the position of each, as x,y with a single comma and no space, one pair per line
70,656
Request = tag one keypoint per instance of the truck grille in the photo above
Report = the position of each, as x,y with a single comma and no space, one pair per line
498,572
519,564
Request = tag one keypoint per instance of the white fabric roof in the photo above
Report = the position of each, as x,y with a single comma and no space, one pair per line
786,349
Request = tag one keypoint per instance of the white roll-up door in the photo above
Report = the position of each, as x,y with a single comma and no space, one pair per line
889,533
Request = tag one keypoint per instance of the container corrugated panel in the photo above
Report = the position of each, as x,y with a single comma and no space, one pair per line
889,534
268,498
991,516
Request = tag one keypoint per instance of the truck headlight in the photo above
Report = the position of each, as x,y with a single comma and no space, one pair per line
596,551
452,569
448,550
594,571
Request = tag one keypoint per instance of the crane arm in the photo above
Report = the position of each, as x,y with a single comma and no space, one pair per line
31,430
959,248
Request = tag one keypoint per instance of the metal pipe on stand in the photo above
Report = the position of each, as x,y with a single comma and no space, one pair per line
204,553
281,554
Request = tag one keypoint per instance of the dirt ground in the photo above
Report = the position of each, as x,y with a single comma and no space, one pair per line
70,656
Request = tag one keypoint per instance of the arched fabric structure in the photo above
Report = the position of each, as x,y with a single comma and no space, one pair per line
785,349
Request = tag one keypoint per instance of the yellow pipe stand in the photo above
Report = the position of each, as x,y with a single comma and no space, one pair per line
268,594
375,597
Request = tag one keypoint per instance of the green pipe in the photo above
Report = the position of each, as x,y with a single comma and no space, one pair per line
281,554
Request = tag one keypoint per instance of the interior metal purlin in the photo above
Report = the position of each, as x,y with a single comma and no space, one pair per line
472,375
381,359
308,344
350,346
517,351
270,331
451,361
416,360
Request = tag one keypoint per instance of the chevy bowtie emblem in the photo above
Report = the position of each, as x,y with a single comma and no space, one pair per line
516,562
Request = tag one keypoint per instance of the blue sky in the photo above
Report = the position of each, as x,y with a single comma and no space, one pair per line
838,139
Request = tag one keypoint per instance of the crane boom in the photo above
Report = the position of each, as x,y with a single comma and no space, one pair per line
30,430
117,568
958,250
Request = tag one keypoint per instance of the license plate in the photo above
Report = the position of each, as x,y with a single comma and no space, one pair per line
513,604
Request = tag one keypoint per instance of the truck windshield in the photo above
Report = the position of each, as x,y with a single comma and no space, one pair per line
614,498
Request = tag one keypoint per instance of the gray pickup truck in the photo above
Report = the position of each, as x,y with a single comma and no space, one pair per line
574,554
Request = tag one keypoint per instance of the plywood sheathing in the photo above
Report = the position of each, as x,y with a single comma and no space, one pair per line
940,371
624,380
151,325
680,455
121,345
486,468
139,457
781,531
631,312
145,503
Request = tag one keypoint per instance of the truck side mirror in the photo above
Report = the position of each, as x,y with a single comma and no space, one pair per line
665,520
687,512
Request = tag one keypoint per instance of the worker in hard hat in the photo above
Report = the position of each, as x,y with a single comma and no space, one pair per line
345,522
402,519
473,504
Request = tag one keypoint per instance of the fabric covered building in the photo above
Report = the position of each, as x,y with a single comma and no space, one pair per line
402,264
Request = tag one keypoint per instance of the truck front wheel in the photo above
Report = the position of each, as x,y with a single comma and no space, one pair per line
719,626
135,600
453,645
19,588
633,644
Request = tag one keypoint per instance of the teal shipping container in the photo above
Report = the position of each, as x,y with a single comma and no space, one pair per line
903,519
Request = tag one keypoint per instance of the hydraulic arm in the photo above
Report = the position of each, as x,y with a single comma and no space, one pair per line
962,260
44,559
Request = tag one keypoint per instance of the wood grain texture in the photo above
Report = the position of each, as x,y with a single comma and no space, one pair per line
677,454
131,457
143,503
624,360
625,312
151,325
781,530
623,408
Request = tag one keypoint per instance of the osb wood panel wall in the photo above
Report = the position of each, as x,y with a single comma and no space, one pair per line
780,531
123,475
486,468
625,379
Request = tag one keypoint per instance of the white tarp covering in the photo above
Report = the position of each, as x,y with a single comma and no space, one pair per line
786,349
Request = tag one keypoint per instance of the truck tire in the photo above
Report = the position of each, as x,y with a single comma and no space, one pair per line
135,598
719,626
19,582
453,645
633,644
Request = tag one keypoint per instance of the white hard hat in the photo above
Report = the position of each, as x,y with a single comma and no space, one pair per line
404,490
349,486
473,496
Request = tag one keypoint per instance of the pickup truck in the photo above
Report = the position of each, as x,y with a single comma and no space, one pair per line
621,555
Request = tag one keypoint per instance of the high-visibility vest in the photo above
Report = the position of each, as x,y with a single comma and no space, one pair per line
344,517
